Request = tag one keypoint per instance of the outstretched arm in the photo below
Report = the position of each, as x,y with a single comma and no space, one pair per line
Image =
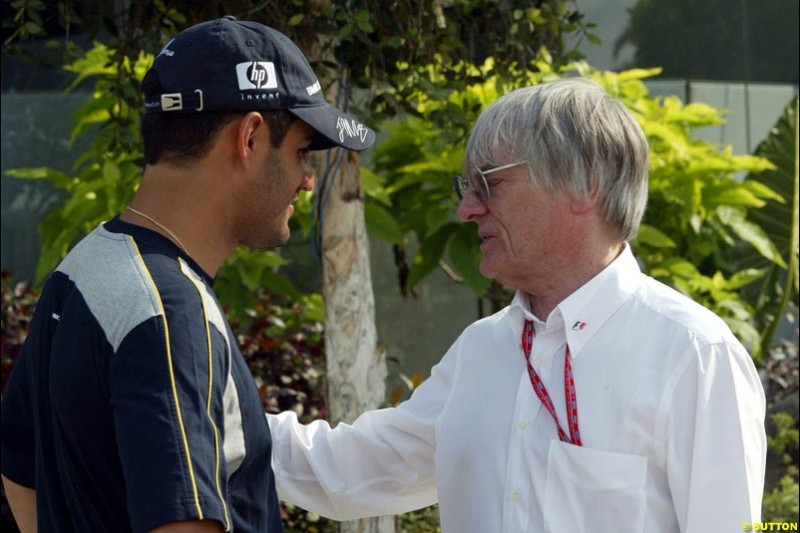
384,463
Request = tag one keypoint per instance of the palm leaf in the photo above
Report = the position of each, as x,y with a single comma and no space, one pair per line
779,220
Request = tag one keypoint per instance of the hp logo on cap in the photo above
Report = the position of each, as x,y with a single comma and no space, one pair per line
256,75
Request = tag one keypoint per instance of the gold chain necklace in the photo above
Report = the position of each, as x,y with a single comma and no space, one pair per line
160,225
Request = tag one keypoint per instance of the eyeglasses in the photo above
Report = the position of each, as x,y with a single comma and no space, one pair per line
475,181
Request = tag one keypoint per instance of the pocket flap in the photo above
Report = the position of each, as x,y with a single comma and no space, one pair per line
596,469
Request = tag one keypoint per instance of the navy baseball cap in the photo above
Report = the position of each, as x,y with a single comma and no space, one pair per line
236,65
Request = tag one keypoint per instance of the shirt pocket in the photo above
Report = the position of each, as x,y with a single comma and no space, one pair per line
593,490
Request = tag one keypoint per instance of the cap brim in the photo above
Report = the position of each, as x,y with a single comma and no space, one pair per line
335,128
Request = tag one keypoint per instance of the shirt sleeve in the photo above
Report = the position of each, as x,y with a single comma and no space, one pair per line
18,435
384,463
18,417
716,442
166,396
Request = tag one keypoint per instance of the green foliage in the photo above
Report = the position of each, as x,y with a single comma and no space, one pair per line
781,503
699,207
416,165
297,520
245,273
375,46
786,436
779,219
416,162
782,369
282,341
697,201
360,43
107,175
422,521
27,20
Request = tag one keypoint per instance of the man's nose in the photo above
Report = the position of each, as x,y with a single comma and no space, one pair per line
307,183
470,207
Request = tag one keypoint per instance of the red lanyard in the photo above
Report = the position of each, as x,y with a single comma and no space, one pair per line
541,391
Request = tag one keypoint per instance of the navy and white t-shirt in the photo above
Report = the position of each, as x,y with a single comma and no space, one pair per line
131,405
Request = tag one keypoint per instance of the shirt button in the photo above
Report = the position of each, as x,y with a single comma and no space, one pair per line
522,424
515,497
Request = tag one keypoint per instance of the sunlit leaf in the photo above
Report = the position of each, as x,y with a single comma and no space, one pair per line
59,179
466,257
430,251
654,237
381,225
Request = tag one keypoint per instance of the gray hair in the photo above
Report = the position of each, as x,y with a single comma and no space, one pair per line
575,137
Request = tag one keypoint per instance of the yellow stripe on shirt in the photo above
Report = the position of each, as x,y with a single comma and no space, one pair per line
172,380
200,290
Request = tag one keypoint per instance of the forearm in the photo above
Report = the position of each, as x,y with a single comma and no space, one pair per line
380,465
22,501
385,463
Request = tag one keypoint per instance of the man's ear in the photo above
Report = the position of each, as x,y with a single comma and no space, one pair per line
583,205
252,136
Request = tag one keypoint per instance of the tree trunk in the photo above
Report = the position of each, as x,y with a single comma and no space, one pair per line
356,368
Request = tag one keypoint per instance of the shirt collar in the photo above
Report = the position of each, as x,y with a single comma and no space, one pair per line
518,312
583,312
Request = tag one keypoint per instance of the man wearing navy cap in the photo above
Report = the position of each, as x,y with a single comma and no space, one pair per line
130,407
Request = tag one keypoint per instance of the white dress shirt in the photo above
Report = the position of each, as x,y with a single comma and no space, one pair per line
670,407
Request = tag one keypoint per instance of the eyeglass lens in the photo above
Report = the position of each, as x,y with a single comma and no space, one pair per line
475,183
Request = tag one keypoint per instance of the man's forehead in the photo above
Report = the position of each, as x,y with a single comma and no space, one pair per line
485,163
491,154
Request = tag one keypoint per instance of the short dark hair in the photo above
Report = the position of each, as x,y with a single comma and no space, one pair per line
181,138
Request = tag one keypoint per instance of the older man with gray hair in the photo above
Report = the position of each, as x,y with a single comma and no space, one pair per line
599,400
